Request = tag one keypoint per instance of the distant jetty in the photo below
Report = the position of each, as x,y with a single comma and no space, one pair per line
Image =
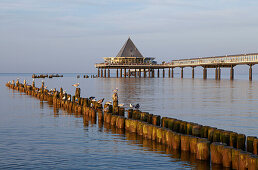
46,75
129,62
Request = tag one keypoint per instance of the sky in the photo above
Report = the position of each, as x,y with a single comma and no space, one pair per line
72,35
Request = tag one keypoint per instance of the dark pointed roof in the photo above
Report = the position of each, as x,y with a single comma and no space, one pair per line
129,50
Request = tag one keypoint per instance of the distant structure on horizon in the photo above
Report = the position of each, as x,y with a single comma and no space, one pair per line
130,62
129,54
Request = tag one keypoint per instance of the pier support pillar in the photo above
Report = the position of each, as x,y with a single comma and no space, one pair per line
216,73
169,72
193,72
140,73
144,73
117,73
163,72
105,73
108,73
101,73
219,73
182,72
250,72
204,73
153,72
124,72
232,73
149,73
121,72
135,73
158,73
98,72
172,72
129,73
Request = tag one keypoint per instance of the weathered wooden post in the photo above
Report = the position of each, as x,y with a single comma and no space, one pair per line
153,73
227,156
129,73
163,72
115,101
144,73
158,73
98,72
241,141
121,72
216,152
105,73
135,73
77,92
149,73
216,73
169,73
249,144
117,73
33,83
203,150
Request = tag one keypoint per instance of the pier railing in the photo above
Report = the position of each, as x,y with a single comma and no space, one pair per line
222,60
210,61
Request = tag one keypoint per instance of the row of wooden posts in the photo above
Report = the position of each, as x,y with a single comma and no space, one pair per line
219,146
150,72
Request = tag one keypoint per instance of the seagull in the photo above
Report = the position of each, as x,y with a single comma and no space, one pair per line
64,92
69,98
109,103
100,101
45,87
115,90
76,85
137,106
92,97
93,100
131,106
121,105
64,98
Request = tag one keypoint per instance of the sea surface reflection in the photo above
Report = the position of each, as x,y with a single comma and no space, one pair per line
34,134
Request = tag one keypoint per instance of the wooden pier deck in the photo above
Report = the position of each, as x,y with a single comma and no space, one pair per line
216,62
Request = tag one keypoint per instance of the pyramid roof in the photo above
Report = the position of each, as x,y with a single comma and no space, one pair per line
129,50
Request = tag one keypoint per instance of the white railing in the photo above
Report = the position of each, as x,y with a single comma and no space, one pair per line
234,60
239,59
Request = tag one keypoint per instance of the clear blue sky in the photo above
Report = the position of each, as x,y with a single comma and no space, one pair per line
72,35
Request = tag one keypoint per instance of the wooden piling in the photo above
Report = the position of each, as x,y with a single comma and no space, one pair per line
249,144
252,162
203,150
235,158
176,141
227,156
216,152
140,127
255,146
185,142
120,122
243,159
193,144
241,141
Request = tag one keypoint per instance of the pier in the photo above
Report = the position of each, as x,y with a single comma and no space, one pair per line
130,63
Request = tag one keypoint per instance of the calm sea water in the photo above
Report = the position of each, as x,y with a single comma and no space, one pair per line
35,135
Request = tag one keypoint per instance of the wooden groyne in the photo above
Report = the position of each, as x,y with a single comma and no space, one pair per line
217,146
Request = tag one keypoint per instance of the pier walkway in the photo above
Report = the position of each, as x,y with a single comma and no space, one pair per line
148,70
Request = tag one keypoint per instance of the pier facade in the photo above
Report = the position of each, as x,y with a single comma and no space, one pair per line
130,63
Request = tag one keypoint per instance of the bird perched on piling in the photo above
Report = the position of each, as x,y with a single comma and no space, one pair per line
109,102
115,90
137,106
101,101
121,105
76,84
92,97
